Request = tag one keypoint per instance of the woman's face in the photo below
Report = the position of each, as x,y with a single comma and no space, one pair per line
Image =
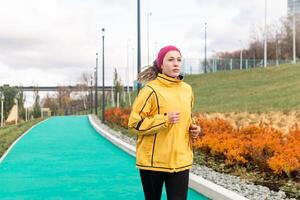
171,64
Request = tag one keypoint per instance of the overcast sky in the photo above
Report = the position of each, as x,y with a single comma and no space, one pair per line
51,42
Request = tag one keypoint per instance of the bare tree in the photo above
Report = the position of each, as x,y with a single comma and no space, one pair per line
51,103
64,99
279,40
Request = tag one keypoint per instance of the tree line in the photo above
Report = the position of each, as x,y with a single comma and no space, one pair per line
67,101
279,42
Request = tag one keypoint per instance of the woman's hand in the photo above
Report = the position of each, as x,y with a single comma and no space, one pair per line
195,131
173,117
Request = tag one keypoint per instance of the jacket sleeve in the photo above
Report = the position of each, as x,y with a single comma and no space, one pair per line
144,119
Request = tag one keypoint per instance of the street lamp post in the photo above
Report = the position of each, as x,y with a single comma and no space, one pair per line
294,33
91,94
215,59
138,43
26,114
148,16
276,45
265,42
241,56
17,112
241,59
205,58
2,110
133,66
103,93
128,76
96,86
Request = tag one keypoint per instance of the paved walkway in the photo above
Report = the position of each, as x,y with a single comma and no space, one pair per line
65,158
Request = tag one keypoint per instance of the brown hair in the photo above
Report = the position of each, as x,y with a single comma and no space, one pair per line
150,73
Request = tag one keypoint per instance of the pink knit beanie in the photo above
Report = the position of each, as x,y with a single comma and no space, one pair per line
163,51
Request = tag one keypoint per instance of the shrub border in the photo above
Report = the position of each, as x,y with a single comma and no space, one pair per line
197,183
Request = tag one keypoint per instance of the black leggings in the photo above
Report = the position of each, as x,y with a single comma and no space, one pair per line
176,184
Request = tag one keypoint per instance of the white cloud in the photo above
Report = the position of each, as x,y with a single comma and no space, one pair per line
51,42
228,22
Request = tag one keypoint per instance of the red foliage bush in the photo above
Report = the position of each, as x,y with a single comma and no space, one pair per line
118,116
261,145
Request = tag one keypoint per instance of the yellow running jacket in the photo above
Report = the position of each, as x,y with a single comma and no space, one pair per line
162,146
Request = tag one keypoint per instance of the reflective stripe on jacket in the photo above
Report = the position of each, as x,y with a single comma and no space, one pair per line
162,146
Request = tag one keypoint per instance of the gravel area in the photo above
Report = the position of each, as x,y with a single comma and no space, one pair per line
233,183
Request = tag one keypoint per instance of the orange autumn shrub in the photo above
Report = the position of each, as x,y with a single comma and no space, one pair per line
117,116
261,142
261,145
287,158
220,138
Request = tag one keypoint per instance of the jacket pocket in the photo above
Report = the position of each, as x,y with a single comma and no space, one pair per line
144,149
153,149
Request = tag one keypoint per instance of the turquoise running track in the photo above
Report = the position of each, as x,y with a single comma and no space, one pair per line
65,158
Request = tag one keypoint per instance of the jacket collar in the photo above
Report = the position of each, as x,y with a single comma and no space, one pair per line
169,81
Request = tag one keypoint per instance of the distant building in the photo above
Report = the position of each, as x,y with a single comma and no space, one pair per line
12,115
45,112
290,5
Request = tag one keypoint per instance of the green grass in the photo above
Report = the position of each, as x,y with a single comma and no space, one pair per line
274,88
9,134
256,90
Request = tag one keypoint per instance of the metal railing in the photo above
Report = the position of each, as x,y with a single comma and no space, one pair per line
197,66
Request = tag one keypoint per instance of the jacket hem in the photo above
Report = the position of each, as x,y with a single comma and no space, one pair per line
164,169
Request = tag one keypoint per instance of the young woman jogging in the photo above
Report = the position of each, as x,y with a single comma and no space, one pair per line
161,118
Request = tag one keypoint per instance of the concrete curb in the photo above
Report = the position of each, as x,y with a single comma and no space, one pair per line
17,140
197,183
113,139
